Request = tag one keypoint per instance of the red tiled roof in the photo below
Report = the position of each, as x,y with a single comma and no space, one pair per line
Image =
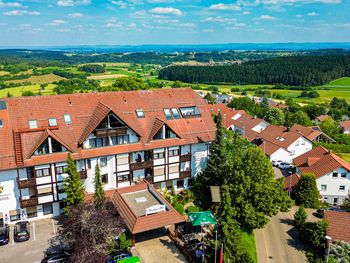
321,118
291,180
345,125
86,110
227,113
320,161
339,225
308,132
144,223
279,135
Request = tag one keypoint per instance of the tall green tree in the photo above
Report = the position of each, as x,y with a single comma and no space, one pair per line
300,217
329,127
305,192
99,195
299,117
275,116
73,186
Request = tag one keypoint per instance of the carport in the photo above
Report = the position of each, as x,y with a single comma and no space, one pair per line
144,209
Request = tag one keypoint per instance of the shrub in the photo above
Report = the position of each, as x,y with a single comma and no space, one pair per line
124,243
306,192
192,209
300,218
179,208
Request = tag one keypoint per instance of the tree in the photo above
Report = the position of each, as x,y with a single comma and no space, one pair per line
305,192
99,195
313,234
73,186
329,127
87,232
129,83
210,99
299,117
275,116
340,252
214,172
346,204
300,217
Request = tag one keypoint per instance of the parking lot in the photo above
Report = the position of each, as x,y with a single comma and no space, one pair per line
32,250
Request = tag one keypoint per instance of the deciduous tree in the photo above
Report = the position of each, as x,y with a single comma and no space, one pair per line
305,192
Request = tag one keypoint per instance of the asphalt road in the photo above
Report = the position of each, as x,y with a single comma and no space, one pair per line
277,242
30,251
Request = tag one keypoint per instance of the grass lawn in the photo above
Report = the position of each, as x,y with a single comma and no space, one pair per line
340,82
248,242
345,156
17,91
48,78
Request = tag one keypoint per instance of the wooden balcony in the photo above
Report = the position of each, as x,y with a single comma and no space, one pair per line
33,201
149,179
185,157
110,132
141,165
185,174
83,174
26,183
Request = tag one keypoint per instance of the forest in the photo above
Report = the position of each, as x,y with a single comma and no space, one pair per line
288,70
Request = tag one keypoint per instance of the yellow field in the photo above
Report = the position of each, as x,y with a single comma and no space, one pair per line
3,73
17,91
49,78
106,76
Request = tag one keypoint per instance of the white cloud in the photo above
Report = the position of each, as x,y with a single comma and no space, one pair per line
276,2
64,30
75,15
298,16
160,1
221,19
188,25
120,4
57,22
73,2
312,14
225,7
21,13
246,13
267,17
208,30
11,4
166,11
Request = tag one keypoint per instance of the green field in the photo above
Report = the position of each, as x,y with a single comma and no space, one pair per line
248,242
42,79
340,82
17,91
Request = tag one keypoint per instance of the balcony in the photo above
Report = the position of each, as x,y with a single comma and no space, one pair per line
32,201
110,132
185,157
26,183
149,179
185,174
141,165
83,174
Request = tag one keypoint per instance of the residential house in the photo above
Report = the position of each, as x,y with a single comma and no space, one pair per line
332,173
162,136
345,127
338,225
321,118
313,133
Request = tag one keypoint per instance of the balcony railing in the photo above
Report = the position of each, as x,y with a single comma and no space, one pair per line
185,157
33,201
26,183
185,174
83,174
110,132
141,165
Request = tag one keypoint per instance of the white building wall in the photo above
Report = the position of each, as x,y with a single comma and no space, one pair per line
9,196
299,147
281,154
199,157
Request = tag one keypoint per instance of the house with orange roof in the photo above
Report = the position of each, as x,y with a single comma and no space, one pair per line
313,133
161,136
332,173
345,127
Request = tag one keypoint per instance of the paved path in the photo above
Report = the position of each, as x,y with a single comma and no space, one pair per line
277,241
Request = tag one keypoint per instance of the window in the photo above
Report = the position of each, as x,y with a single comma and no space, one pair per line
159,155
3,105
33,124
15,215
140,113
43,148
189,112
31,212
341,187
343,175
174,152
190,182
52,122
67,119
42,172
47,209
61,169
335,200
103,161
302,142
88,163
123,178
62,205
180,183
104,178
175,113
44,190
57,147
1,124
323,187
297,143
291,153
168,114
335,175
173,169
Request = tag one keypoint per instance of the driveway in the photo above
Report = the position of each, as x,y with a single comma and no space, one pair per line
32,250
156,246
278,241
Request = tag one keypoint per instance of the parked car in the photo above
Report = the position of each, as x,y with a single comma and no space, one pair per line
284,166
4,235
21,231
276,162
56,258
118,255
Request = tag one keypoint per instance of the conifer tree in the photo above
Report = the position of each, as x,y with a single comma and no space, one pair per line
305,192
73,186
99,195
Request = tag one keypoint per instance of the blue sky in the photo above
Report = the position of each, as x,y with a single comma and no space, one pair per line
89,22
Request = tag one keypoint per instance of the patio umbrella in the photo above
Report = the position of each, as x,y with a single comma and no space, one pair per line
202,218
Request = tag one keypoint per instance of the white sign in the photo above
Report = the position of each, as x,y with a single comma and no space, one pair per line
155,209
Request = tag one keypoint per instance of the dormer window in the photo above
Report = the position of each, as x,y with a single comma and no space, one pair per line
168,114
67,119
175,113
188,112
1,124
140,113
50,146
33,124
52,122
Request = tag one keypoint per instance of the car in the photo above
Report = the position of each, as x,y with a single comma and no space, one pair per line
4,235
56,258
118,256
276,162
284,165
21,231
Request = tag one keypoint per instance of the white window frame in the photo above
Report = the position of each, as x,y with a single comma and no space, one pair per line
33,124
67,118
53,122
342,186
140,113
104,163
